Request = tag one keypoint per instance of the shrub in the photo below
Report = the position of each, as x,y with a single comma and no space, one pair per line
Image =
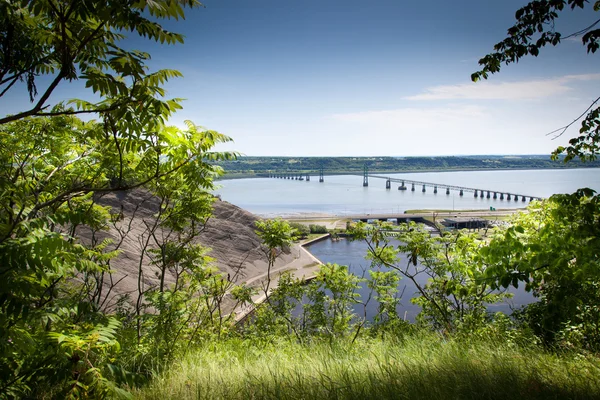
302,231
317,228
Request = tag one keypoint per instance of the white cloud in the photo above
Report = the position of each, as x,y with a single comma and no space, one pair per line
449,129
524,90
414,116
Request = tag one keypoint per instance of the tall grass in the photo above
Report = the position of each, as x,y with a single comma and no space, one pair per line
418,368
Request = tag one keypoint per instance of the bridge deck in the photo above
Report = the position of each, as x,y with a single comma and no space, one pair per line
300,176
444,186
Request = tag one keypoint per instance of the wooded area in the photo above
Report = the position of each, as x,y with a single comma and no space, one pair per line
247,166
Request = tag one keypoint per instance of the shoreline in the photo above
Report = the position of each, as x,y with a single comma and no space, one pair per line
246,175
304,267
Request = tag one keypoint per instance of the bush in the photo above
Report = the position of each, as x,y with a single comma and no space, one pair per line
317,228
301,230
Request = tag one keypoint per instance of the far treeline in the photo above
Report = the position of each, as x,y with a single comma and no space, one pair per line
247,166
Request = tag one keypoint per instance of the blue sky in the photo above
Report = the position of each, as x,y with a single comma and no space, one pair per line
379,77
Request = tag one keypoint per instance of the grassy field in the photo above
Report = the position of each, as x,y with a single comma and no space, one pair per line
426,367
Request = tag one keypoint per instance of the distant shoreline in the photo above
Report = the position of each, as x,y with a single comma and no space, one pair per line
234,175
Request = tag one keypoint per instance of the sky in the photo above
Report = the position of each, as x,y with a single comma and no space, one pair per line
370,78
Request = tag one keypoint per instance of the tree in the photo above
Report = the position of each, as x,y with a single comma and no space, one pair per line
445,270
533,30
553,249
277,235
54,168
70,40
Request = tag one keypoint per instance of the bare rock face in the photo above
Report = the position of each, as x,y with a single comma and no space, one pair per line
229,233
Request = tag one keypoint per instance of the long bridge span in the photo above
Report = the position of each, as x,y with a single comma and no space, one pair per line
477,192
413,185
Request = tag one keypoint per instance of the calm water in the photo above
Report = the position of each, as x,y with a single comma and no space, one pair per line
344,194
352,254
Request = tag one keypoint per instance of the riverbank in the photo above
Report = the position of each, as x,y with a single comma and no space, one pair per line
249,175
304,267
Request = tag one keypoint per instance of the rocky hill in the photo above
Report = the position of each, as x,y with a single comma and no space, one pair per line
229,233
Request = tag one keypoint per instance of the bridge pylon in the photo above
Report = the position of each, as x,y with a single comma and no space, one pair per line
366,176
321,178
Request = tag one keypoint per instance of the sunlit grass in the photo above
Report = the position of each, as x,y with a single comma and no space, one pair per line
419,368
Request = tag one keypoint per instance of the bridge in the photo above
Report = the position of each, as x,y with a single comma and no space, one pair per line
404,184
477,192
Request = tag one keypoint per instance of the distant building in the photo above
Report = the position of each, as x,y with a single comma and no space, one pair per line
465,223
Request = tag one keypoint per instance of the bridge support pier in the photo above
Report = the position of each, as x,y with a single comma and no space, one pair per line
531,199
321,179
475,193
413,188
435,190
366,176
501,196
423,189
495,195
447,190
388,184
307,178
488,194
508,196
523,198
402,187
461,193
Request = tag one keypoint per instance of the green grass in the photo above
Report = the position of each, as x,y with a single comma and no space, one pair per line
419,368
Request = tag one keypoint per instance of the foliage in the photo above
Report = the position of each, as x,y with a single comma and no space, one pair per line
445,269
533,30
302,231
317,228
276,235
553,250
70,40
54,171
331,294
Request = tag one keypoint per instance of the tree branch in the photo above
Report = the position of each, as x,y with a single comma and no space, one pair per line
564,128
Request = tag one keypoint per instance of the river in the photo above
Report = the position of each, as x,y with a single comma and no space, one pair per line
352,254
344,194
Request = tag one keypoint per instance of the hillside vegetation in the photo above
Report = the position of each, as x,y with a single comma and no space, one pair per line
122,276
261,166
